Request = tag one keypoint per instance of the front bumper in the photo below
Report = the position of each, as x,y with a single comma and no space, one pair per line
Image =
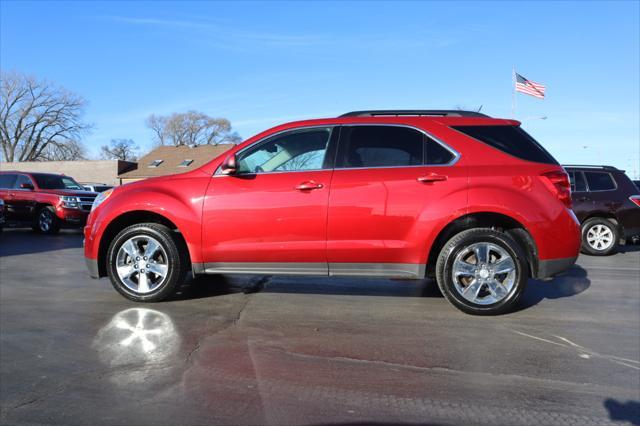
92,267
72,217
549,268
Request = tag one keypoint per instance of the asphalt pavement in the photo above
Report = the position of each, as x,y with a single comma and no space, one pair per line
314,351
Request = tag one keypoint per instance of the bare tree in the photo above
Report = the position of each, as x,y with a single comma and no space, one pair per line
157,124
38,120
68,151
191,128
120,149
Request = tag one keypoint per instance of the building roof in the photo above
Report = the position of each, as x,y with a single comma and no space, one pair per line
169,160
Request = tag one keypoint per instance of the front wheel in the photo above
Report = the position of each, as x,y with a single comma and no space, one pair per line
46,221
146,262
482,271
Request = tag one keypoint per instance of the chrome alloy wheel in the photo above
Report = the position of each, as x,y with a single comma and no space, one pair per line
484,273
142,264
599,237
45,220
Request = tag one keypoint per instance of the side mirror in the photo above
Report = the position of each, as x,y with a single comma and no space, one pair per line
229,166
27,186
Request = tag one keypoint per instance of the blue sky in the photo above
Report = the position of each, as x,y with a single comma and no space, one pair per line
263,63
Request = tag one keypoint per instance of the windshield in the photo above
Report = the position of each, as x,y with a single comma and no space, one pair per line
56,182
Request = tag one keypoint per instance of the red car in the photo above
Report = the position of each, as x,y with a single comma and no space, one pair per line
471,200
45,201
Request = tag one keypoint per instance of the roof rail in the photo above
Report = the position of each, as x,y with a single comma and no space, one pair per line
586,166
418,112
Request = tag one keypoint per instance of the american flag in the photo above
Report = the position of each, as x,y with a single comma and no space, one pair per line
529,87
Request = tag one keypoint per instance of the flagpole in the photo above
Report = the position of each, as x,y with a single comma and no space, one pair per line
513,93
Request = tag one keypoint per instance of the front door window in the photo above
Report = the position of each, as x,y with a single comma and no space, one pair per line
294,151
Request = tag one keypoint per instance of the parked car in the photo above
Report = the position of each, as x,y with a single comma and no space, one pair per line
607,204
96,187
472,200
45,201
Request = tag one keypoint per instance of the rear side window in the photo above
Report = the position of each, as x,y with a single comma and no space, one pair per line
6,180
577,182
380,146
600,181
511,140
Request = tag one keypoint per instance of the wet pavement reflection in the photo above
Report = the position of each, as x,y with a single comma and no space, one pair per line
137,338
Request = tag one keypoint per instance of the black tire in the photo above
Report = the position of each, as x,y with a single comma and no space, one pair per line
46,222
176,261
459,245
596,223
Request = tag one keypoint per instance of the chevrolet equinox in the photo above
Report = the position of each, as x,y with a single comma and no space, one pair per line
471,200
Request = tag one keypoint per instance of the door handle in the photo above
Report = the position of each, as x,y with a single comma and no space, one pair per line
309,186
432,177
583,199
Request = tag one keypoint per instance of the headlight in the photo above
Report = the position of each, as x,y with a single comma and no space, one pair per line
69,202
101,198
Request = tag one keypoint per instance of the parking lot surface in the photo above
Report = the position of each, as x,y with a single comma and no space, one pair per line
291,350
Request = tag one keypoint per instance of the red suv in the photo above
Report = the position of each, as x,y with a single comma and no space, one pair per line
471,200
45,201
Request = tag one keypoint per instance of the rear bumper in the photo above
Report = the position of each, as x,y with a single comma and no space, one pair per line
551,267
92,267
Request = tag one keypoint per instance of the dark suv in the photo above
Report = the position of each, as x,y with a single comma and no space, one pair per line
608,206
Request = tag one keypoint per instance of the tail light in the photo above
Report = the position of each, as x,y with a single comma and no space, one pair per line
558,183
635,199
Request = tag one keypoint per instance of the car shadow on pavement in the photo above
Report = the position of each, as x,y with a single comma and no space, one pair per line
571,283
629,248
18,241
219,285
377,424
623,411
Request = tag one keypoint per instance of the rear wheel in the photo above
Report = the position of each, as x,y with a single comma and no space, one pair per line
600,237
145,263
482,271
46,221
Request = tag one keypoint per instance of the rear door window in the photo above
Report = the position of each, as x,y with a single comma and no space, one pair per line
7,180
380,146
600,181
578,183
511,140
